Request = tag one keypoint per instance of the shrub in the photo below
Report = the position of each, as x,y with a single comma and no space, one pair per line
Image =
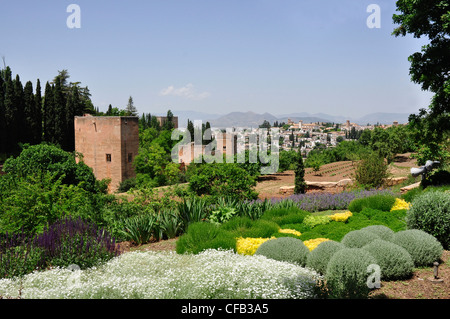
395,219
290,231
223,179
371,171
126,185
382,231
346,274
341,217
237,225
192,210
400,204
423,247
314,220
75,241
395,261
318,258
261,228
43,158
358,238
283,216
284,249
333,231
169,224
383,202
248,246
203,235
313,243
221,215
430,212
139,229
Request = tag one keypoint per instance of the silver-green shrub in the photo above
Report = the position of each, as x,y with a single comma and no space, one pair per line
395,261
285,249
347,273
358,238
423,247
430,212
319,257
382,231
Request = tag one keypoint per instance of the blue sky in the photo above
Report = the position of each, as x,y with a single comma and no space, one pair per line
218,56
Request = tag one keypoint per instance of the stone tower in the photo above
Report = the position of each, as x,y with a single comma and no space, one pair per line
109,145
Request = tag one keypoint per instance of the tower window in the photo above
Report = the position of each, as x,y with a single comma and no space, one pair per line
130,157
108,157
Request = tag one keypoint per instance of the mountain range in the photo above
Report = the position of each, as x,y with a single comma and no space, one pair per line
252,119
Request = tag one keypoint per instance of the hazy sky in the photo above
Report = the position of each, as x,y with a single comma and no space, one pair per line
218,56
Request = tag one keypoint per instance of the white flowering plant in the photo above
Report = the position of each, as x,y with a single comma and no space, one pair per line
212,274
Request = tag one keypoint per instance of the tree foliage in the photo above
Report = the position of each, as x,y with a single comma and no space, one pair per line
431,69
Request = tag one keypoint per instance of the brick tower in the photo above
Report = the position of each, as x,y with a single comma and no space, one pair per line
109,145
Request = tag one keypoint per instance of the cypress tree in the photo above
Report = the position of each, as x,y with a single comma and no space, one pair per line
28,129
191,129
47,114
109,111
2,115
300,184
19,101
59,116
10,129
73,108
37,113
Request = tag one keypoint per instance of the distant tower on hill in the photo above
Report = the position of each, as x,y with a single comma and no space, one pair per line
109,145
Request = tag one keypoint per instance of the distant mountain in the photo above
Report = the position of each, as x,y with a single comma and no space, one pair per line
311,118
383,118
252,119
183,117
242,119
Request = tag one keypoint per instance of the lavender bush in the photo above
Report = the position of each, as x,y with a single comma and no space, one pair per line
66,242
314,202
323,201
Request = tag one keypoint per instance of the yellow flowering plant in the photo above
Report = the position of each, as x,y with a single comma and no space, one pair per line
290,231
341,217
313,243
400,204
248,246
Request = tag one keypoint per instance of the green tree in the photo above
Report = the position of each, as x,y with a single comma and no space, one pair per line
130,108
37,113
300,184
224,180
2,116
47,113
371,171
431,69
59,115
29,108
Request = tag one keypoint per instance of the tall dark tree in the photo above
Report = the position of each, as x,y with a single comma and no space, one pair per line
74,107
27,136
300,184
48,111
2,115
191,129
19,109
10,114
37,113
109,112
168,125
59,115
